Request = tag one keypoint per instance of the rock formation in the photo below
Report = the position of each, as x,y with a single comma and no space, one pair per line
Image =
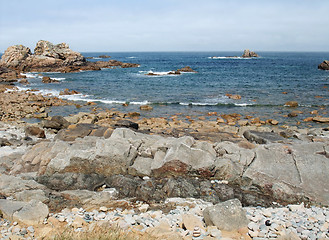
272,170
324,65
249,54
48,57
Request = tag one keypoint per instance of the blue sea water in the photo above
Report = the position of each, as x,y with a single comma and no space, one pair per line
260,82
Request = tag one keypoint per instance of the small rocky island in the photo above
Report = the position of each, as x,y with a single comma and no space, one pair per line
249,54
246,54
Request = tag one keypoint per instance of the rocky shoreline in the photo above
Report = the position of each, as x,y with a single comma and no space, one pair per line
102,158
235,177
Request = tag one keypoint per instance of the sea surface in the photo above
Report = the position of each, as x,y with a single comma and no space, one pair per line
265,84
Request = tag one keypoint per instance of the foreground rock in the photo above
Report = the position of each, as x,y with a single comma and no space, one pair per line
249,54
226,216
324,65
272,171
48,57
31,213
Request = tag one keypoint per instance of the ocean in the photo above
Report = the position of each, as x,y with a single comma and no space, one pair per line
264,84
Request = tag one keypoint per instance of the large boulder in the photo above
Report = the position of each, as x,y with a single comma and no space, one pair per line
295,172
59,51
227,216
324,65
15,56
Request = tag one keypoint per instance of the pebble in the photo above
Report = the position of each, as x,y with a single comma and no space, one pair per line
265,223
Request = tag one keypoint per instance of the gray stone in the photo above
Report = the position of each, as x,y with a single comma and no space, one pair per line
11,185
28,195
262,137
8,207
141,167
228,216
32,213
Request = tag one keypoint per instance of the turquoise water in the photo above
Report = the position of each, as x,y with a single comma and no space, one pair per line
260,82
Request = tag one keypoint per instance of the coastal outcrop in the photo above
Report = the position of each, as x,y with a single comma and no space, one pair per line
324,65
249,54
49,57
269,172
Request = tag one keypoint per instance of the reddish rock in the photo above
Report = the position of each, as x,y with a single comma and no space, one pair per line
35,131
291,104
172,168
186,69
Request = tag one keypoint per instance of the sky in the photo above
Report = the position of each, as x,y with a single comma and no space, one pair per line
167,25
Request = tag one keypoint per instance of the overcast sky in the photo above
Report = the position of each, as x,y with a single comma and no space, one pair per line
167,25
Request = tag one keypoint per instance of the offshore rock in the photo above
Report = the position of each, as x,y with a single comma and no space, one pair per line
186,69
324,65
249,54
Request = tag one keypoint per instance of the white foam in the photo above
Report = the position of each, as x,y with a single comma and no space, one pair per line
31,75
227,57
58,79
131,57
140,103
243,104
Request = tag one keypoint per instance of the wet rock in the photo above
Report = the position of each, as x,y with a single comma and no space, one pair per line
228,216
186,69
321,119
146,108
126,124
49,80
291,104
104,56
233,96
